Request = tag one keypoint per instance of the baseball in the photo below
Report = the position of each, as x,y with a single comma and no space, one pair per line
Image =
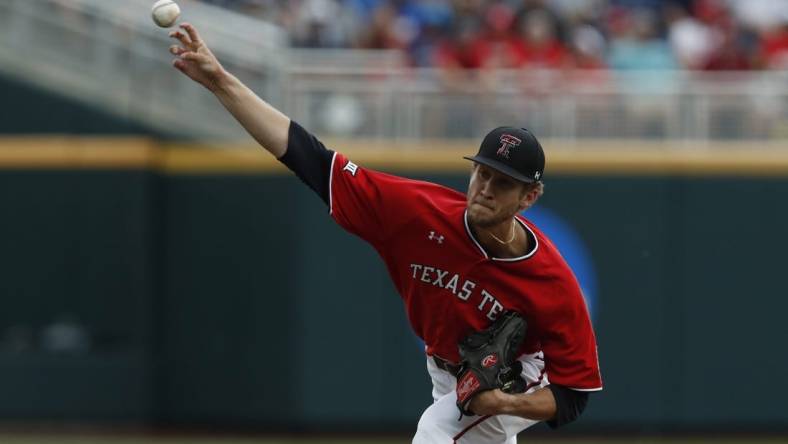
165,13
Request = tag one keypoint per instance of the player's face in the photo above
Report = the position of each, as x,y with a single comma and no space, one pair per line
493,197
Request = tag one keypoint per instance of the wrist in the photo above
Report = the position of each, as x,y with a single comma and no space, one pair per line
221,83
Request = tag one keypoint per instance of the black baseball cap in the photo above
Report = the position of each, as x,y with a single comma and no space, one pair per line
512,151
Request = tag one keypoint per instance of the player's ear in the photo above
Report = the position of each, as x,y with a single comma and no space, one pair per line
529,195
524,203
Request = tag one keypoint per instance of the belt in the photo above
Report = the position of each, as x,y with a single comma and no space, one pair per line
443,364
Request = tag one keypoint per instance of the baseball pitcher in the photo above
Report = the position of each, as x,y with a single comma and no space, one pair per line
508,338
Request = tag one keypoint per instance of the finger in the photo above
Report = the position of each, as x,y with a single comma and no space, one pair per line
177,50
180,65
183,38
195,37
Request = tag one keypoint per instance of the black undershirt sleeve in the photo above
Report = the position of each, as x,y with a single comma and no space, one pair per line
309,159
570,404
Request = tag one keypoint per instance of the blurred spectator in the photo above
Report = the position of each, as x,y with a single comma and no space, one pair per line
528,34
546,10
410,25
737,51
539,45
463,53
499,21
760,15
637,44
692,41
775,47
323,24
588,48
385,31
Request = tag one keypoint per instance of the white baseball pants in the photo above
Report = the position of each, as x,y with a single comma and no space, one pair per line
439,424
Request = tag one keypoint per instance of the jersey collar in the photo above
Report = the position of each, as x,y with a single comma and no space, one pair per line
501,259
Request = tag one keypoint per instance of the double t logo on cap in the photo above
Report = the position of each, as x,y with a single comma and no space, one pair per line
508,142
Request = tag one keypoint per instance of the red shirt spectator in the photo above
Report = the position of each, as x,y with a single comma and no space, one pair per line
730,55
464,55
775,48
539,47
469,49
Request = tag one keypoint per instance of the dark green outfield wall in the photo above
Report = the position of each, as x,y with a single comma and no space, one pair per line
76,244
235,300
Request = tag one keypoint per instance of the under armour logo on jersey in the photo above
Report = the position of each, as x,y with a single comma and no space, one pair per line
435,237
508,142
537,175
351,167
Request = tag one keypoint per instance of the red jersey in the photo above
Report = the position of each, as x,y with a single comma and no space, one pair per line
450,286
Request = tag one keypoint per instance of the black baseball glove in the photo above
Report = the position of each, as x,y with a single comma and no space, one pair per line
489,360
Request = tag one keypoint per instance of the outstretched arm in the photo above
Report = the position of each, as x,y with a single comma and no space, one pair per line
267,125
295,147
